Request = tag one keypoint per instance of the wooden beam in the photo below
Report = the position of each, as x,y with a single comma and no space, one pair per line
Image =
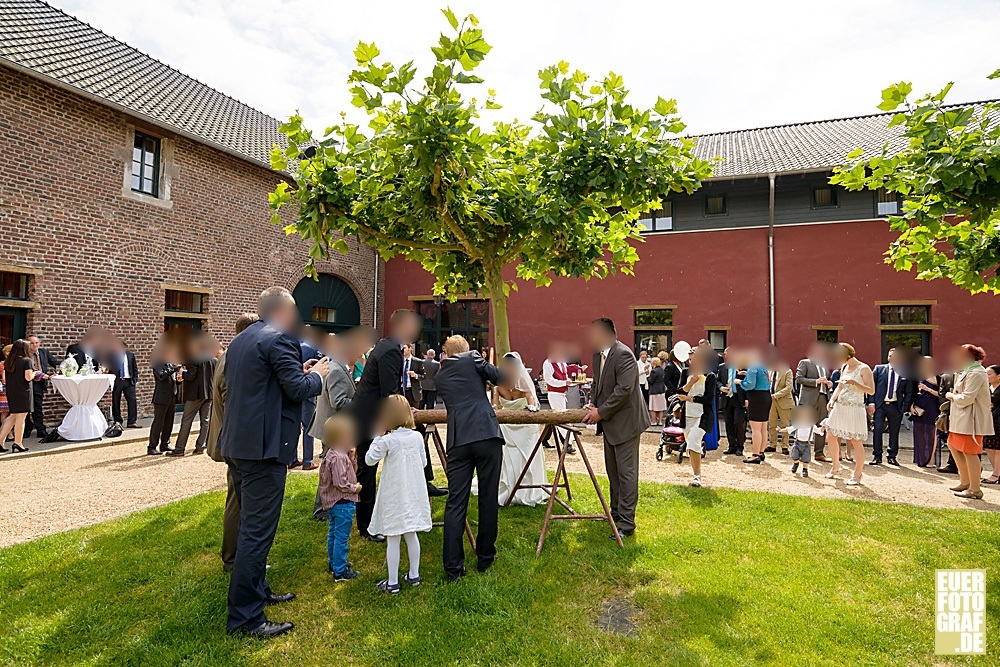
510,416
827,327
197,289
17,268
907,327
907,302
186,315
654,307
18,303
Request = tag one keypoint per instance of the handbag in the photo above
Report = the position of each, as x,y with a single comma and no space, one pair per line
918,411
941,423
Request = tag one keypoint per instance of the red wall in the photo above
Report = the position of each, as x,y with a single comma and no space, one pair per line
825,274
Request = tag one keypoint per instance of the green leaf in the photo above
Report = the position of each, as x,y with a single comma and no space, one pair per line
450,15
365,53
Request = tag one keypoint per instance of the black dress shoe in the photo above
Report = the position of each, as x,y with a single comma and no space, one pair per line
949,469
373,538
455,576
174,452
153,452
546,445
623,533
435,491
278,598
265,630
770,449
892,461
732,452
875,462
485,564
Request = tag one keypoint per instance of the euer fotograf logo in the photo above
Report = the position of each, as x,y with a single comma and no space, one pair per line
960,612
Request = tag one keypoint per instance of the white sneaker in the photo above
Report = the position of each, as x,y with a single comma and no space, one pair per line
829,475
853,482
696,480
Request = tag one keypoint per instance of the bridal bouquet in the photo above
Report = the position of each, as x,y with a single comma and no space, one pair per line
69,367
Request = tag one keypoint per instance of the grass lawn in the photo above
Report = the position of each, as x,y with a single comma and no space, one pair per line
717,577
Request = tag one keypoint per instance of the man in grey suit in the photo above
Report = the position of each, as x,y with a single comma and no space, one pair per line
338,391
428,386
621,416
815,388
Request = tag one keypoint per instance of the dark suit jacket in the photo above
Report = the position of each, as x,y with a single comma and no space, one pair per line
265,387
77,351
417,366
48,365
618,397
904,389
672,378
428,373
165,386
461,384
382,377
133,367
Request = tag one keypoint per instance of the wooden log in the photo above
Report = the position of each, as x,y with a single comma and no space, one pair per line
510,416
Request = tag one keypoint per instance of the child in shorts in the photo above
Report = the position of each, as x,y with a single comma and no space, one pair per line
802,430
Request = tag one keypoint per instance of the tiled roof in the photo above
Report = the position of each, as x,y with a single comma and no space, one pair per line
52,44
41,38
812,146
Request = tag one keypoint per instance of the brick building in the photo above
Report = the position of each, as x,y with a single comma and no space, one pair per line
135,198
713,266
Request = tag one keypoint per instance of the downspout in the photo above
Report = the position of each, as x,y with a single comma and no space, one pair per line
375,298
770,251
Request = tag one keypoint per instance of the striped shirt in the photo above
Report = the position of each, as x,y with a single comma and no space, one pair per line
337,479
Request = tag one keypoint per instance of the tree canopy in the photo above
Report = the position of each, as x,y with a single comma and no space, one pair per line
948,177
428,180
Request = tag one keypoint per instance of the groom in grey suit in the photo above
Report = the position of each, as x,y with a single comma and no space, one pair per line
815,389
621,416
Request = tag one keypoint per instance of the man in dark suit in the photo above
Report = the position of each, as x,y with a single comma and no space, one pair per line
266,383
412,368
86,351
475,447
892,399
382,377
734,405
621,417
428,387
42,362
310,350
122,364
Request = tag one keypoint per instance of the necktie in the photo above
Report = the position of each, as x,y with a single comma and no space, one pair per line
774,380
891,393
406,367
822,374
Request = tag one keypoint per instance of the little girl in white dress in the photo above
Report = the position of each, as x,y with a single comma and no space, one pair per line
402,508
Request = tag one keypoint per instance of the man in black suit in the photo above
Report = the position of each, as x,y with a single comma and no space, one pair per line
412,368
892,399
42,362
122,364
475,446
266,383
86,351
734,408
382,377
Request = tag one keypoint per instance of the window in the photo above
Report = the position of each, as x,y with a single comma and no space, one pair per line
183,302
894,315
13,286
920,341
469,318
824,197
320,314
146,165
658,221
715,205
827,335
717,339
654,317
886,203
654,341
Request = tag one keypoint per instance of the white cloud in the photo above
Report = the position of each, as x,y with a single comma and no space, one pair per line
730,65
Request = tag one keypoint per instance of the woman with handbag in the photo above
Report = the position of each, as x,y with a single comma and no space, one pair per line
924,413
971,418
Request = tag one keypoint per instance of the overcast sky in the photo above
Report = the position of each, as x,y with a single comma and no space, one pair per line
730,65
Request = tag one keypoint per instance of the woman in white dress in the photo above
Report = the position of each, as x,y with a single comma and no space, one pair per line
518,393
848,420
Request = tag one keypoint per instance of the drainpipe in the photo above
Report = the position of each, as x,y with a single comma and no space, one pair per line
375,297
770,251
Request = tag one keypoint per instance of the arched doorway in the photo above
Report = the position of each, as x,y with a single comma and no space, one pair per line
328,303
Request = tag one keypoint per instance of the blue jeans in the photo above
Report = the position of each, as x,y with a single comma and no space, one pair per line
341,516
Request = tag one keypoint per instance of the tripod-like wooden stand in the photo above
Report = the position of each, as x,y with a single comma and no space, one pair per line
561,481
435,437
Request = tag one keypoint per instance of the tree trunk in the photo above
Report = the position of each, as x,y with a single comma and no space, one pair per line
501,326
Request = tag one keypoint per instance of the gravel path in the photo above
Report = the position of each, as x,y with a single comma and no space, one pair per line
49,494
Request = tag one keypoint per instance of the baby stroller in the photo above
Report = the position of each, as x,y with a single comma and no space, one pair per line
672,435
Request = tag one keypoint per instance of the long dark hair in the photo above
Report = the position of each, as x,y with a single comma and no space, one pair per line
18,350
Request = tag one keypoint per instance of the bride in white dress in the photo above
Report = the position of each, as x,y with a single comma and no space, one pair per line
848,421
519,439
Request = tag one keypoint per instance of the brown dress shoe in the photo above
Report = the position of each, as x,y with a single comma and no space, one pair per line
310,466
822,457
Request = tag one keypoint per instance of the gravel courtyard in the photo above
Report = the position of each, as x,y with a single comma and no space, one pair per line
49,494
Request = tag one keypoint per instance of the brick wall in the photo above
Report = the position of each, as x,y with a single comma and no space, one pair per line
104,257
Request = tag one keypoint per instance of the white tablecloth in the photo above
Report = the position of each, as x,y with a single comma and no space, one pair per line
84,420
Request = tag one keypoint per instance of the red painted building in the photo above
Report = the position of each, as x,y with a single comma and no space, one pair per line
705,270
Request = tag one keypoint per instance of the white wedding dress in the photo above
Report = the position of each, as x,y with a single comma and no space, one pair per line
519,440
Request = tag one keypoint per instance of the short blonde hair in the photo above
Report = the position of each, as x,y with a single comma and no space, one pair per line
456,345
396,413
339,428
655,362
